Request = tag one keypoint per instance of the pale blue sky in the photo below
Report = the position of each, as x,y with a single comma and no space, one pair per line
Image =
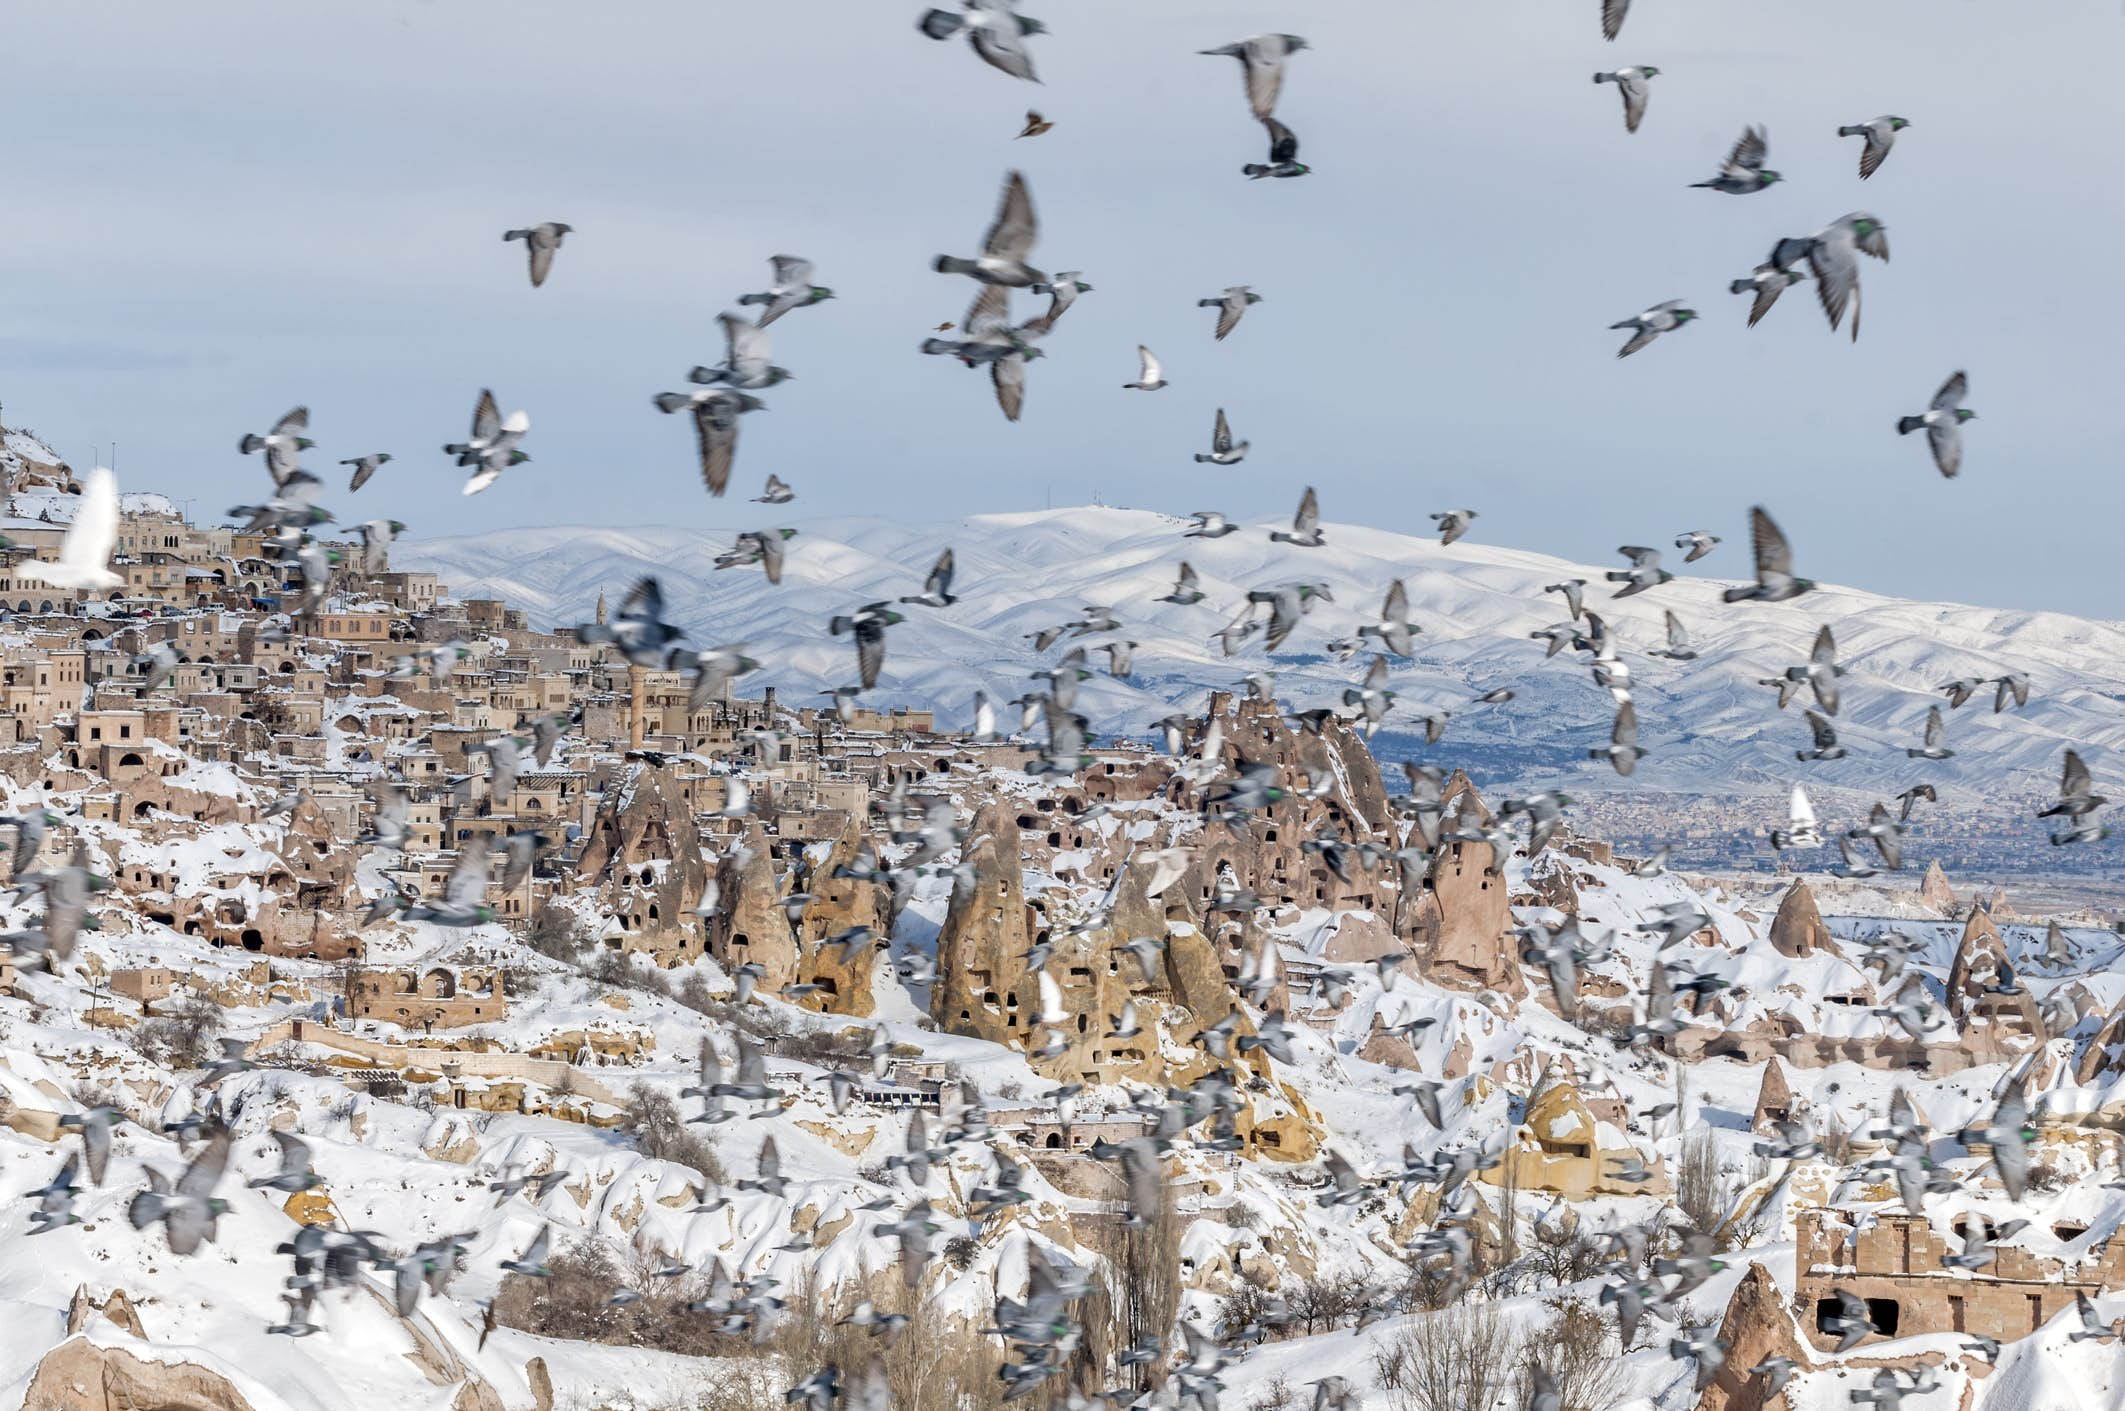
214,212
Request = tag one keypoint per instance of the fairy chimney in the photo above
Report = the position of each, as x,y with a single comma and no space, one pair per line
1934,890
1757,1326
1456,924
1798,928
1774,1098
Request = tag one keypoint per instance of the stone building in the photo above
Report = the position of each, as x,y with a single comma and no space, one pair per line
1893,1262
440,997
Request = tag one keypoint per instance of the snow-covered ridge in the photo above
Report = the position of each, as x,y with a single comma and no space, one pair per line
1710,727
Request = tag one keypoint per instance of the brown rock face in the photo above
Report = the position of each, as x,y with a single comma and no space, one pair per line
842,903
77,1375
644,851
750,927
1981,965
1934,890
1798,928
1456,924
1774,1099
985,989
979,972
1756,1326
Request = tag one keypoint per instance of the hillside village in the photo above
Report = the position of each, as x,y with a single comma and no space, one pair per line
491,918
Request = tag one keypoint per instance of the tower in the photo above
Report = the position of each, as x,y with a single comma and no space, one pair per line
601,607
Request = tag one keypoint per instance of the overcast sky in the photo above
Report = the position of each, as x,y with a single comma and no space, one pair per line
214,212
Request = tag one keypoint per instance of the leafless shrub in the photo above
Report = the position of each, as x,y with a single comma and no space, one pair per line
1699,1193
1321,1304
183,1038
1275,1395
1561,1252
556,933
1462,1358
662,1133
1574,1347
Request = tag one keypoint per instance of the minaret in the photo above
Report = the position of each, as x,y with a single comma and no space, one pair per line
601,607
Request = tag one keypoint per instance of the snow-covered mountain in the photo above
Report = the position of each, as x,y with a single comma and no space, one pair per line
1710,727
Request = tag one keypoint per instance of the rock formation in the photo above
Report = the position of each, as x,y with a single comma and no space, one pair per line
1981,986
1934,890
1561,1147
1774,1099
840,904
1757,1326
1456,924
79,1375
643,850
750,926
1798,928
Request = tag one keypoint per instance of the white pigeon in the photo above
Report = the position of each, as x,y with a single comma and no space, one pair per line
85,553
1151,378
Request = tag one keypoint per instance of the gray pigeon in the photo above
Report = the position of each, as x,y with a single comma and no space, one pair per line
1062,290
715,415
1631,83
1230,306
1009,241
540,241
1743,171
1881,136
1262,59
282,445
364,467
793,288
1832,254
1452,524
1698,542
1775,582
1223,449
1943,422
996,32
1659,319
1305,525
746,362
1767,283
1283,154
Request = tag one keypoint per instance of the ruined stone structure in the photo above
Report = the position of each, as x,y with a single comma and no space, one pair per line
441,997
1893,1262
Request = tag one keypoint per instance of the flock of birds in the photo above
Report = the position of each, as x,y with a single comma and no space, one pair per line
1042,1331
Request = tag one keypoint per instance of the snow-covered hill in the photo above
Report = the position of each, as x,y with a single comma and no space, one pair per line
1710,727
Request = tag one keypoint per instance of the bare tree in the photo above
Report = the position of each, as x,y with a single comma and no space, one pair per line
1144,1288
1462,1358
1575,1348
1699,1193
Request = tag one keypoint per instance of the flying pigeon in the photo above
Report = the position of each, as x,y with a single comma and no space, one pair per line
1943,422
1631,83
1881,136
540,241
1743,171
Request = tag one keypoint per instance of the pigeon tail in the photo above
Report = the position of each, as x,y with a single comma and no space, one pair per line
938,345
947,264
1604,78
250,444
516,235
1255,170
1905,425
1852,132
939,24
